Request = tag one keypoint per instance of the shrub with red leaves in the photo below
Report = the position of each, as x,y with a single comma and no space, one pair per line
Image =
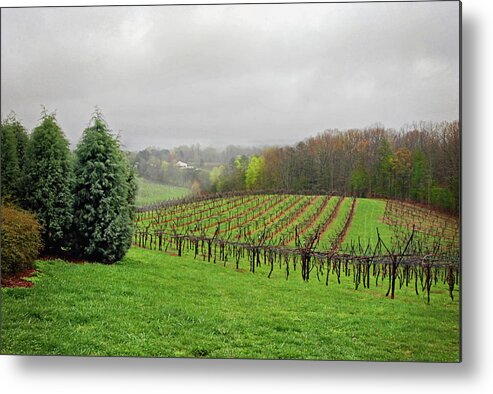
21,240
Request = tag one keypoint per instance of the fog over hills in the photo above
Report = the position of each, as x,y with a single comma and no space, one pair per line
221,75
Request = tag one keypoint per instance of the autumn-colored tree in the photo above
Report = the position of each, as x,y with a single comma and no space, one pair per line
420,162
401,168
196,189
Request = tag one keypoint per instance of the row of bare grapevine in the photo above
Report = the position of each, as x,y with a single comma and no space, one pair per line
257,230
398,266
431,225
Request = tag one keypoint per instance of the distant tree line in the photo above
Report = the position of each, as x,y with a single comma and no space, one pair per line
205,157
160,164
420,163
83,200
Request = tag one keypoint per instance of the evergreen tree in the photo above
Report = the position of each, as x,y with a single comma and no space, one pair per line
420,178
384,175
20,135
15,146
360,181
22,140
104,196
9,163
48,181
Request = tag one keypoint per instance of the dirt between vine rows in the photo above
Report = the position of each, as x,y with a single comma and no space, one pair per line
280,214
311,222
296,216
191,215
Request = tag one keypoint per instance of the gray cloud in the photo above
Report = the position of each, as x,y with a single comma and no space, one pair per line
256,74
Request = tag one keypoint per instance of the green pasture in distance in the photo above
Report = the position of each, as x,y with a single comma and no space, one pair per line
154,304
151,192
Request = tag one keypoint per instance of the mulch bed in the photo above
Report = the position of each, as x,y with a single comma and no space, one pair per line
66,258
17,279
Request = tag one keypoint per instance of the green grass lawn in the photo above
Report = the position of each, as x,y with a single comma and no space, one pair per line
150,192
368,215
153,304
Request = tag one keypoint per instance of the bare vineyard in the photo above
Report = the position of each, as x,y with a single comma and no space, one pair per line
431,225
306,233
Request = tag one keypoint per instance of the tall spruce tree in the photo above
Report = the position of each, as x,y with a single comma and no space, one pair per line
22,140
48,182
10,171
104,196
14,136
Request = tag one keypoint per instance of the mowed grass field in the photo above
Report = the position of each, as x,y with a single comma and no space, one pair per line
151,192
157,305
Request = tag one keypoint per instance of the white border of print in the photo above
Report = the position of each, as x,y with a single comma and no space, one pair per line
131,375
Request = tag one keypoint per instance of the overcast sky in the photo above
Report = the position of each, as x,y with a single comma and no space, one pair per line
219,75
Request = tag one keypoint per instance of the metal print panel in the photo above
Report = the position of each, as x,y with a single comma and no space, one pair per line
262,181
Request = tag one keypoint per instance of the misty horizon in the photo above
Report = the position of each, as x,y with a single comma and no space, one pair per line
244,75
